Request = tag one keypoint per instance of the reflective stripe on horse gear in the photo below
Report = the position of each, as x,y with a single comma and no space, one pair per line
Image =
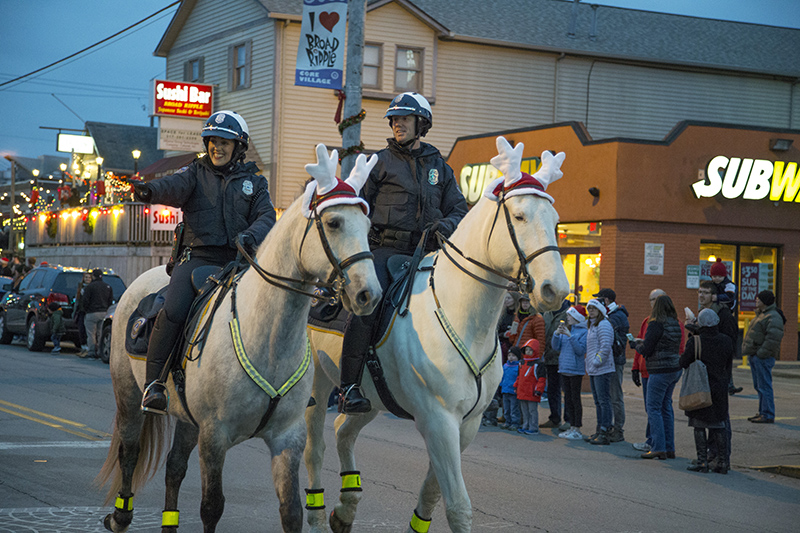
169,518
460,346
315,499
254,374
351,481
124,504
419,525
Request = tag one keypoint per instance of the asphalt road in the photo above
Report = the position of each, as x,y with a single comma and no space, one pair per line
55,412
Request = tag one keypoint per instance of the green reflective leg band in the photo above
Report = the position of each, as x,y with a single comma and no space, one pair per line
351,481
314,499
169,518
124,504
418,524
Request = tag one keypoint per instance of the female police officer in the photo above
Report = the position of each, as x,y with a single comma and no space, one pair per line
222,200
411,189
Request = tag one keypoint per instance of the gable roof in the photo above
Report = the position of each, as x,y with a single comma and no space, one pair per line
597,31
115,142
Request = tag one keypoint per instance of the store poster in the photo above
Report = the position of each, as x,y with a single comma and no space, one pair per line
754,278
692,276
654,259
320,54
705,269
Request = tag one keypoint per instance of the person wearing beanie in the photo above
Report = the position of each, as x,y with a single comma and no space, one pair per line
618,316
530,385
716,352
570,341
726,289
762,344
511,411
600,367
57,328
527,325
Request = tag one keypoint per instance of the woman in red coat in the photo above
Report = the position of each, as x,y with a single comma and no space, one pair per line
530,385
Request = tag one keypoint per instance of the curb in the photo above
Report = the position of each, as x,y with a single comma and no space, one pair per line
782,470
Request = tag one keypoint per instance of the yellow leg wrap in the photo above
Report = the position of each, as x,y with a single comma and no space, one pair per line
169,518
418,524
314,499
124,504
351,481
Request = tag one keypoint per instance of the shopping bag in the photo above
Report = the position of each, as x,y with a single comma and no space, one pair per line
695,392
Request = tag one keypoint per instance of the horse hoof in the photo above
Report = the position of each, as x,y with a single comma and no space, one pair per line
116,525
107,522
338,526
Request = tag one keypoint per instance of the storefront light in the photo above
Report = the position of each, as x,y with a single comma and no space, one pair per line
712,258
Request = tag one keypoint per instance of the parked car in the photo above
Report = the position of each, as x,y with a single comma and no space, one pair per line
104,344
23,309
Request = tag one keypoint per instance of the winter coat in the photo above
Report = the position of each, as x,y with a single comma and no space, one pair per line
57,322
726,293
529,387
528,327
661,347
763,339
571,350
618,316
510,373
551,321
638,359
727,322
217,207
411,189
716,352
599,340
97,296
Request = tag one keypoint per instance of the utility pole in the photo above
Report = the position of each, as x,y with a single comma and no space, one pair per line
351,135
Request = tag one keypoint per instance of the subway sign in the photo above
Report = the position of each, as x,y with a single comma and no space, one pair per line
475,178
751,179
179,99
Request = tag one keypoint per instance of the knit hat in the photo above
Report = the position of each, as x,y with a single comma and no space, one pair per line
718,268
574,313
516,351
767,297
707,317
597,305
533,344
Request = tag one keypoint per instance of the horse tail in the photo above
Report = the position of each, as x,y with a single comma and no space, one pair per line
152,441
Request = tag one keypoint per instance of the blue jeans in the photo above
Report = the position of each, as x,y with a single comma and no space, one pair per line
601,392
617,402
659,410
647,438
511,410
762,382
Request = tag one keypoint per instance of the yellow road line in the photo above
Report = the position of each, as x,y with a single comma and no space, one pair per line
81,430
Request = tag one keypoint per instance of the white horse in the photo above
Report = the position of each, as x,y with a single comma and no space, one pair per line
226,402
504,236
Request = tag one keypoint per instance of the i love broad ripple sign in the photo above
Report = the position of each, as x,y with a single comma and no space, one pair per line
320,54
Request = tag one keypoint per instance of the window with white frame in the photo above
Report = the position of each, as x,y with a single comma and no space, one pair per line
408,70
193,70
239,60
373,63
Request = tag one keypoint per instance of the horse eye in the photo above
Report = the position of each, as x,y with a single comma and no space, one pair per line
333,223
519,217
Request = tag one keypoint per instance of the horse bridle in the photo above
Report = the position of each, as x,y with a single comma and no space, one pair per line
337,279
523,281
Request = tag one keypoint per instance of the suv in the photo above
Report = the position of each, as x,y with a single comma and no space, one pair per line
23,309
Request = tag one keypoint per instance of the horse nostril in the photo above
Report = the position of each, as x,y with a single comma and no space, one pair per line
547,292
363,298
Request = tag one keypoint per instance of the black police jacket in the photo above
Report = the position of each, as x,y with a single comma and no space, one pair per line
217,206
408,190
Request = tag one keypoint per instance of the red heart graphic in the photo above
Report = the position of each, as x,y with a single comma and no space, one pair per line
328,20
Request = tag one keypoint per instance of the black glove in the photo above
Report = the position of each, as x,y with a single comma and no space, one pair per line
432,244
248,242
636,378
141,190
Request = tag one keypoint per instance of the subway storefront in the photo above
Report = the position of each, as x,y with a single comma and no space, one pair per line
640,215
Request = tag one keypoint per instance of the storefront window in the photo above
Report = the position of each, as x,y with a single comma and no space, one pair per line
580,255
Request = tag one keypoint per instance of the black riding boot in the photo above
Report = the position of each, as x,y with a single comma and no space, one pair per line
701,444
354,346
162,340
721,438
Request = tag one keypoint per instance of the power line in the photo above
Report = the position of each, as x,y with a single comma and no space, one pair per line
89,47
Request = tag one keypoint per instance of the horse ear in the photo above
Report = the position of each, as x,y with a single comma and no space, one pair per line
324,171
550,170
360,173
508,160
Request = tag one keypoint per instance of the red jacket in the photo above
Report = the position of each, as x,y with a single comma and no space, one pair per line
638,359
529,387
530,327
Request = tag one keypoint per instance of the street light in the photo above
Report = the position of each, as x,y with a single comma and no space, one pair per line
136,154
99,161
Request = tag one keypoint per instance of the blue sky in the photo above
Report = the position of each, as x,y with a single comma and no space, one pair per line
112,82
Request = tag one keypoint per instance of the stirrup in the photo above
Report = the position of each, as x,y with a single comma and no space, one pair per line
356,405
151,408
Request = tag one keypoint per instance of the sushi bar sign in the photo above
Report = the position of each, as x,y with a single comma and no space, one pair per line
179,99
750,179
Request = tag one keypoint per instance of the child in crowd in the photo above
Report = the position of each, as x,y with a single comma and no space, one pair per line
726,290
57,328
530,385
510,404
